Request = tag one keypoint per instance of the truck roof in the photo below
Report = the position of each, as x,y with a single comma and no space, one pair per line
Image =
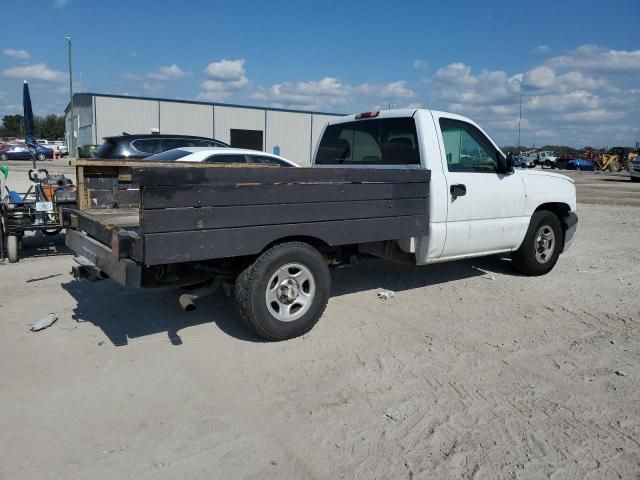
398,113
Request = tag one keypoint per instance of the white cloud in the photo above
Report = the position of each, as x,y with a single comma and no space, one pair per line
455,83
588,95
542,49
224,78
226,70
598,59
418,63
60,3
21,54
393,90
168,72
38,71
330,93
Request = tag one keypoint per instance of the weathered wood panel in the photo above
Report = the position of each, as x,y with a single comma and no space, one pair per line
228,195
175,247
181,219
228,175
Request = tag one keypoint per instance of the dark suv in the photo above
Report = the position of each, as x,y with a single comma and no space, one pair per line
142,146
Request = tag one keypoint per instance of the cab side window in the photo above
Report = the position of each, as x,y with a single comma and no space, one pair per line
467,149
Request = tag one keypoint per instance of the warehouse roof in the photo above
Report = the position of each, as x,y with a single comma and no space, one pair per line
196,102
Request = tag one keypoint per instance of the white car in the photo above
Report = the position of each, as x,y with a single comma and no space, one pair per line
220,155
634,169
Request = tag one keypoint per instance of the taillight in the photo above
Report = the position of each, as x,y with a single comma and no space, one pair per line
367,115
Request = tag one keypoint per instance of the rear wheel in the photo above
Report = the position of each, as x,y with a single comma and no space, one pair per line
541,247
284,292
41,156
12,249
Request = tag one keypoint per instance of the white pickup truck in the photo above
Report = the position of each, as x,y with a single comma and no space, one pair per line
415,186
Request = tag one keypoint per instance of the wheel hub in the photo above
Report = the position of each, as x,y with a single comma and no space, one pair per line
288,291
544,244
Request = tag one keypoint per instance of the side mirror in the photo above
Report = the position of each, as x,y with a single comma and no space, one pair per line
509,167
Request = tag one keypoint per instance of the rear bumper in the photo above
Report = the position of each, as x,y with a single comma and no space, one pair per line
570,225
126,272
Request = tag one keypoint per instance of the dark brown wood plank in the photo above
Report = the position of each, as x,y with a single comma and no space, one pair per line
159,175
175,247
228,195
181,219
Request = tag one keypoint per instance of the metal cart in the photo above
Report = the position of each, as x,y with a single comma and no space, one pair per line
38,209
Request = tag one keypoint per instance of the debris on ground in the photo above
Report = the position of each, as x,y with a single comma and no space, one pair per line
620,373
489,277
386,294
44,322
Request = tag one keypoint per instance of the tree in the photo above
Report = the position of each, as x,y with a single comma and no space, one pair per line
50,127
12,126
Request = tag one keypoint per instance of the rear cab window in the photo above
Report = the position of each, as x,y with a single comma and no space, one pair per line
380,141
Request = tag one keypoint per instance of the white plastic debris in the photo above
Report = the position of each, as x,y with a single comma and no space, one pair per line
386,294
44,322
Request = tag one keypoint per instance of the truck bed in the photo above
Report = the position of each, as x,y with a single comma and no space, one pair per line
171,213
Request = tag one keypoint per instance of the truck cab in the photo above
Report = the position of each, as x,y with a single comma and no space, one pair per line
478,204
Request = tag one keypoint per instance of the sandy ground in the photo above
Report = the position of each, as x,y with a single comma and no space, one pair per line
471,371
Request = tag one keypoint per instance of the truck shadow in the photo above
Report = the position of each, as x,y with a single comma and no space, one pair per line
374,274
126,315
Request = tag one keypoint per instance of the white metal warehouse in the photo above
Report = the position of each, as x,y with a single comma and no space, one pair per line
292,134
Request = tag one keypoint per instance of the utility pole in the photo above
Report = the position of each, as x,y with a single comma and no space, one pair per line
519,120
72,147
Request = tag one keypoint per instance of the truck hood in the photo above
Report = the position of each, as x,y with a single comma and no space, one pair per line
543,173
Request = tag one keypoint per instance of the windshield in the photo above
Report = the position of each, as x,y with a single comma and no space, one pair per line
168,156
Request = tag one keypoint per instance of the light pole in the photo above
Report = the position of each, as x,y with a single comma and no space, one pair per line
72,149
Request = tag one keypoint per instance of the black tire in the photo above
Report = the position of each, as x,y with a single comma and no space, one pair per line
635,179
12,249
525,259
253,283
41,156
3,157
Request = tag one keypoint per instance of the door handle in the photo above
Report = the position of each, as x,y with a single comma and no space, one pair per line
458,190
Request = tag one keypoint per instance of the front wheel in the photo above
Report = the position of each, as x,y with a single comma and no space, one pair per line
635,179
541,247
284,292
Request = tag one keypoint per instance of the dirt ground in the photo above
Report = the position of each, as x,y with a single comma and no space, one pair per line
470,371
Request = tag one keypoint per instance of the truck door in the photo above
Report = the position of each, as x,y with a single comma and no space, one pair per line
486,207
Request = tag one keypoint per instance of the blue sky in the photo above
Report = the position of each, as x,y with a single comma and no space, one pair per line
577,63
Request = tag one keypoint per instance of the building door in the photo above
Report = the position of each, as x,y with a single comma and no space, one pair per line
251,139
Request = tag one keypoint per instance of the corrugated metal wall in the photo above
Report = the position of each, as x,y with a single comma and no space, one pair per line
83,108
117,115
85,135
186,119
318,123
226,118
292,133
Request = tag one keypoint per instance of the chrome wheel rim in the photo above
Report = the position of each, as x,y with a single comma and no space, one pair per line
545,244
290,292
